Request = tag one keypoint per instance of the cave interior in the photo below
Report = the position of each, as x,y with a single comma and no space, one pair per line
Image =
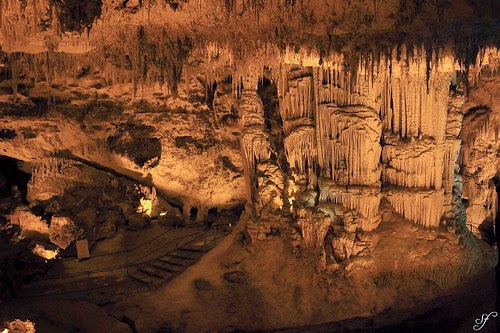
249,166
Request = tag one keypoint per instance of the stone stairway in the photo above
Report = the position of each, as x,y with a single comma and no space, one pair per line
164,269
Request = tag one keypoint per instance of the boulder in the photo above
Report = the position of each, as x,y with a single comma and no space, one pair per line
27,221
63,231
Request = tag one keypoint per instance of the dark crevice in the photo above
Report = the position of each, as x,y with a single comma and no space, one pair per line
268,92
211,89
193,212
77,15
137,178
13,180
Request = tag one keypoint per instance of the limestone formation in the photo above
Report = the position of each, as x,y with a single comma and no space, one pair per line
63,231
346,153
27,221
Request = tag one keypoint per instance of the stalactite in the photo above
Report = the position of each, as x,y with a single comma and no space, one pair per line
422,206
363,199
409,164
350,144
300,148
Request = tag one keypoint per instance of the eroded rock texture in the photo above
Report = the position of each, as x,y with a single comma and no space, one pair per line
345,129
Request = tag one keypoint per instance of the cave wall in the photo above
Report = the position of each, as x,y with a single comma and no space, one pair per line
479,157
360,122
387,129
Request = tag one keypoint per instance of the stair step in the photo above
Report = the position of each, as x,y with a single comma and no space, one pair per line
204,243
165,267
154,272
182,257
190,249
189,255
143,278
172,262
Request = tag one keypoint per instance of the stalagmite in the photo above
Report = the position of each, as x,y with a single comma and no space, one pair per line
270,186
255,145
254,140
265,182
314,226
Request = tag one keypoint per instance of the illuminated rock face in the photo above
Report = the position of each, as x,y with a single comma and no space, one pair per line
353,128
355,135
358,144
373,132
480,158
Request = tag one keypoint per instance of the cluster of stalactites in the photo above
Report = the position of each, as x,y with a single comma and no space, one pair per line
297,111
349,144
300,148
483,126
423,206
409,164
314,229
298,100
418,106
447,275
47,168
411,99
21,22
363,199
407,99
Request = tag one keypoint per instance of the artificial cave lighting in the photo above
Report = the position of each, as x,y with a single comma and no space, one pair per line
145,207
204,166
18,325
40,250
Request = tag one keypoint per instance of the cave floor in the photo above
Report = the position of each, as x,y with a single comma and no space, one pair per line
106,277
276,289
456,310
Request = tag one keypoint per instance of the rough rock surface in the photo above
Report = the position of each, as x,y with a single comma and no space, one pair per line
27,221
63,231
362,138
